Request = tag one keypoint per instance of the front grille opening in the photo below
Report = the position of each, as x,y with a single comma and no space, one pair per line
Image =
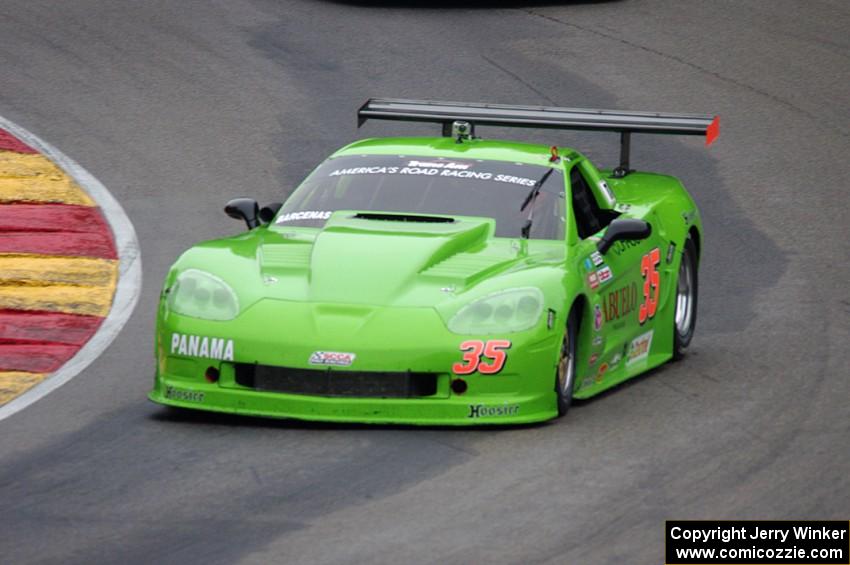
335,383
418,218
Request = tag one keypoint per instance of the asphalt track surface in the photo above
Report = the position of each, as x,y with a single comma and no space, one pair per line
177,106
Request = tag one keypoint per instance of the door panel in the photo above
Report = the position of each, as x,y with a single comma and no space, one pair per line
625,289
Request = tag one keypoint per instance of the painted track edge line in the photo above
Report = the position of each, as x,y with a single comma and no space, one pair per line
129,283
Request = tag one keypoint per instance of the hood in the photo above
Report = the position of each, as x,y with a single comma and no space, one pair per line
387,259
371,259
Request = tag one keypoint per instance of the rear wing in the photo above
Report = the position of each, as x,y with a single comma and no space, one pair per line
624,123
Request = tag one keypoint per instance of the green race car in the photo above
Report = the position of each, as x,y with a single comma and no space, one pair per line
440,280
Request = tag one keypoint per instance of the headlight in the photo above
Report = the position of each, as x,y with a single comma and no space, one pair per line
201,295
512,310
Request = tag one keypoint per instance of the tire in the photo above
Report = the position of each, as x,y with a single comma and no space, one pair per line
687,287
565,373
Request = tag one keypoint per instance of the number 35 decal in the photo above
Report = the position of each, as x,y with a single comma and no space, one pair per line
477,356
651,285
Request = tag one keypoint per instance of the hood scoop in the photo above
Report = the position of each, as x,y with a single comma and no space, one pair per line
417,218
466,267
293,256
377,258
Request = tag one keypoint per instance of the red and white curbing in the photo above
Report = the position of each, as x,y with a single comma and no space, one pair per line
123,246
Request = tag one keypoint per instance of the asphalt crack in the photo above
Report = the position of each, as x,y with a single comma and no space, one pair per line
519,79
696,67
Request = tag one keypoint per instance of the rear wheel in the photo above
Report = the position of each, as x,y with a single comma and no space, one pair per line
685,319
565,375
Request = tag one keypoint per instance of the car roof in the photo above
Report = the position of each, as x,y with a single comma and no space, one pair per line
487,149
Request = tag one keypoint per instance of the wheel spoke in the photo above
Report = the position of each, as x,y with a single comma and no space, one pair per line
684,296
566,367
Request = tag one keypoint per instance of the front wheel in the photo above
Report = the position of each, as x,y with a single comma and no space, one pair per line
565,376
685,320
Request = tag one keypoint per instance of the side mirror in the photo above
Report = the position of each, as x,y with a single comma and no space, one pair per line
623,228
267,213
244,209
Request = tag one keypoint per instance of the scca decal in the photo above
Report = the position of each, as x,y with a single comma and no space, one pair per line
475,351
332,358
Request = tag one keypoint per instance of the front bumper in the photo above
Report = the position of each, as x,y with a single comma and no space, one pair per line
382,339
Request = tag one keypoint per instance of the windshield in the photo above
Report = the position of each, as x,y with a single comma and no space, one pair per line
429,185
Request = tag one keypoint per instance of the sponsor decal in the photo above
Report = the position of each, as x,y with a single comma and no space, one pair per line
598,340
597,318
639,348
439,164
592,280
306,215
595,378
623,207
435,168
488,358
184,395
624,245
202,346
615,360
335,358
485,411
597,259
593,358
671,251
550,319
364,171
600,374
515,180
604,274
588,264
620,302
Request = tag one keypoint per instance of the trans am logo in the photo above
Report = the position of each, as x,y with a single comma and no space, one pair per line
332,358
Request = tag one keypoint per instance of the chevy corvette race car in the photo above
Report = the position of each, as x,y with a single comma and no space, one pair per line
440,280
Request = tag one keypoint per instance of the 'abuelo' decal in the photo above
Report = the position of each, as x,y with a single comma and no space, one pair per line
620,302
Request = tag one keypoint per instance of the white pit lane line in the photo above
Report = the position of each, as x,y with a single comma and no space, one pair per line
129,282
